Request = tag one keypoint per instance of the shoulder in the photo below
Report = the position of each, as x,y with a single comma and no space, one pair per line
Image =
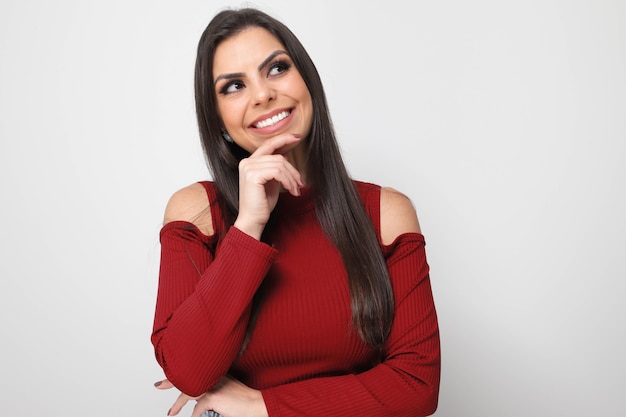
397,215
190,204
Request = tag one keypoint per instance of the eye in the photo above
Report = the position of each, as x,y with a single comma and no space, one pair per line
231,87
278,68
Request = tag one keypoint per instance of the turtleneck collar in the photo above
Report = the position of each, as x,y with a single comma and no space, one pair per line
292,204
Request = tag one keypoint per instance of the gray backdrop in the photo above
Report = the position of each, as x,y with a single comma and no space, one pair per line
504,121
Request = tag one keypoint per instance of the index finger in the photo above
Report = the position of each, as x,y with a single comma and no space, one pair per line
270,146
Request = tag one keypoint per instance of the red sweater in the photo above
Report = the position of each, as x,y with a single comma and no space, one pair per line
303,354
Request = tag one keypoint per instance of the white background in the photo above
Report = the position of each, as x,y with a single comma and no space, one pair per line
504,121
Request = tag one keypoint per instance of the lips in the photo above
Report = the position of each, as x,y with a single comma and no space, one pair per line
270,121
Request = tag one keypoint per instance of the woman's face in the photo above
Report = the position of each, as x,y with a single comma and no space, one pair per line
260,93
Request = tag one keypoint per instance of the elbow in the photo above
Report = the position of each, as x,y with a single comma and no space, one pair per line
427,395
428,401
186,376
185,380
425,403
432,397
422,403
432,403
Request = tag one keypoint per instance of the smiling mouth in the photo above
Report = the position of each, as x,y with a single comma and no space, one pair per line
272,120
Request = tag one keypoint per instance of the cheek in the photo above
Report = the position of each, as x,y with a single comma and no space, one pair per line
300,90
308,106
230,113
304,91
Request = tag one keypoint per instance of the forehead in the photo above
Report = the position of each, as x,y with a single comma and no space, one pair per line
247,48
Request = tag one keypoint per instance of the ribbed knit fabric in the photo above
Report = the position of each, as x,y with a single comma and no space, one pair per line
303,353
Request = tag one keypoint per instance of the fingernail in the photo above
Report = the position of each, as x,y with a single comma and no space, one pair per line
156,384
297,135
169,411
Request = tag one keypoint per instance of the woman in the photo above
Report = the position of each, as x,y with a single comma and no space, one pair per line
286,288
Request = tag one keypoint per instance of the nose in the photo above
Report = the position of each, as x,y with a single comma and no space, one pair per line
263,93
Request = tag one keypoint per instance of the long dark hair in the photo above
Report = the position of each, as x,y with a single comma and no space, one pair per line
337,203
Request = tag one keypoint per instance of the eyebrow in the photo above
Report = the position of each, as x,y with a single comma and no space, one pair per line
262,65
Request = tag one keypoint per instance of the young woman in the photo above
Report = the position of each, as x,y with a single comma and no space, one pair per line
287,288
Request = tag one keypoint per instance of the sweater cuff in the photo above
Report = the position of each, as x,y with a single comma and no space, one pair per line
240,239
271,402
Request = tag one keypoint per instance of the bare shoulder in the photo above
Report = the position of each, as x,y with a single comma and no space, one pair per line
190,204
397,215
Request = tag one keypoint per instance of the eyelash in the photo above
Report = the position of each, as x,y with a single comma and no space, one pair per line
225,87
282,65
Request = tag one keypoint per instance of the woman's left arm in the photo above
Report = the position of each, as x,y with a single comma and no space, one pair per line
406,382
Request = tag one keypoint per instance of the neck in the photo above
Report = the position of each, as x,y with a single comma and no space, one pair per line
296,157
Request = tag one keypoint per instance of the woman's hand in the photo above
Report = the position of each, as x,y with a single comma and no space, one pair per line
261,177
229,398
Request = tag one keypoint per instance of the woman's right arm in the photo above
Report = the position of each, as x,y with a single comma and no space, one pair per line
203,298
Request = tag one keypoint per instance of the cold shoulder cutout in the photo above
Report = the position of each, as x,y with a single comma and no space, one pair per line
191,204
397,216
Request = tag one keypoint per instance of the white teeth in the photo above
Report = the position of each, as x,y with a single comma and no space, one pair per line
272,120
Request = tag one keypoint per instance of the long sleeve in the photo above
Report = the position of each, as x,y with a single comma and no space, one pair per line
406,382
203,302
